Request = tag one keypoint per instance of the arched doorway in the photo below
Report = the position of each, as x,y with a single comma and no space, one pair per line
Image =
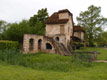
48,46
31,44
39,44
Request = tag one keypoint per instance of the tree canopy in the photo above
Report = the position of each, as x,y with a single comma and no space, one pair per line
3,26
92,21
41,16
37,22
35,25
16,31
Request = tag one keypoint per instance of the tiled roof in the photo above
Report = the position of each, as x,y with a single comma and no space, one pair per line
54,18
78,28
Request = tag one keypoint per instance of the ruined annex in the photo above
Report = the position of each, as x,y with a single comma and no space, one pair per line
60,35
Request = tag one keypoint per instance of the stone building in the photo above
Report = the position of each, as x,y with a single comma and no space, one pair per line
60,31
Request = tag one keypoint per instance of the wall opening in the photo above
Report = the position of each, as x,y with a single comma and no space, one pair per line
62,29
39,44
57,38
48,46
31,44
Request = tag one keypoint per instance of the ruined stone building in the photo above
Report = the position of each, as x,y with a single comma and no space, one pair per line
60,33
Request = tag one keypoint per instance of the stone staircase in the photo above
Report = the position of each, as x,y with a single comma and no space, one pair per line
59,47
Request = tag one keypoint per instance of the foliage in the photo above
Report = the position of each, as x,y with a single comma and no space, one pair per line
38,29
92,22
48,67
78,44
41,16
35,25
3,26
4,44
41,61
11,72
37,22
16,31
0,36
102,51
102,39
81,57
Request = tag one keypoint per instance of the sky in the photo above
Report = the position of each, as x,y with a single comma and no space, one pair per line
17,10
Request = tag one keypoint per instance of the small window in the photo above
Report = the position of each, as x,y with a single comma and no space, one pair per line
57,38
62,30
48,46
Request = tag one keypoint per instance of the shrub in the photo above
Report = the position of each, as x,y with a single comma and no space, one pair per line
78,44
5,44
0,36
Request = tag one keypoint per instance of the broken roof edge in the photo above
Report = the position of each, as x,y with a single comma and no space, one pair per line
65,10
78,28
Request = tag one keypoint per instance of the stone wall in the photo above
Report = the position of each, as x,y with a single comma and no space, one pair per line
79,35
36,46
64,15
54,29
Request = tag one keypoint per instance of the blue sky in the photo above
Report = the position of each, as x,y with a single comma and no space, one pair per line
16,10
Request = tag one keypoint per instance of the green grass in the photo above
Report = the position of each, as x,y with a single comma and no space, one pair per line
42,61
42,66
103,51
97,71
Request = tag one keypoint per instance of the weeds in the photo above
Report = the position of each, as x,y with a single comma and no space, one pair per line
43,61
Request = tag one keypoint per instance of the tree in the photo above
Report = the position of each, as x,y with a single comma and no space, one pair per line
0,36
92,22
41,16
102,39
35,25
16,31
3,27
37,22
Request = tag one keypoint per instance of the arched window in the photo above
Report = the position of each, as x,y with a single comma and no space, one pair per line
31,44
48,46
57,38
39,44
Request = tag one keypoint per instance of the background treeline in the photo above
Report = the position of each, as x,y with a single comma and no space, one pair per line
15,31
91,20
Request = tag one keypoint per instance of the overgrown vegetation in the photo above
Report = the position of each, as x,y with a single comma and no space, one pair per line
102,51
41,66
93,23
42,61
91,20
15,31
4,44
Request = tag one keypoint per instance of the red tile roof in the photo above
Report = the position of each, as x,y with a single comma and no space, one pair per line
78,29
54,18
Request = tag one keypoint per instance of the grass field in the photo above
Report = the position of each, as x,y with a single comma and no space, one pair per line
44,66
103,51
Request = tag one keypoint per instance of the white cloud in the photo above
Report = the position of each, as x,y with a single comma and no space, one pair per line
16,10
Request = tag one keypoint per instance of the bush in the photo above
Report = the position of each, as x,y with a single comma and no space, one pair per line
0,36
78,44
5,44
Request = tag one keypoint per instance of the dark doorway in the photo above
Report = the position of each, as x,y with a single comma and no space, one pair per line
31,44
39,44
48,46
